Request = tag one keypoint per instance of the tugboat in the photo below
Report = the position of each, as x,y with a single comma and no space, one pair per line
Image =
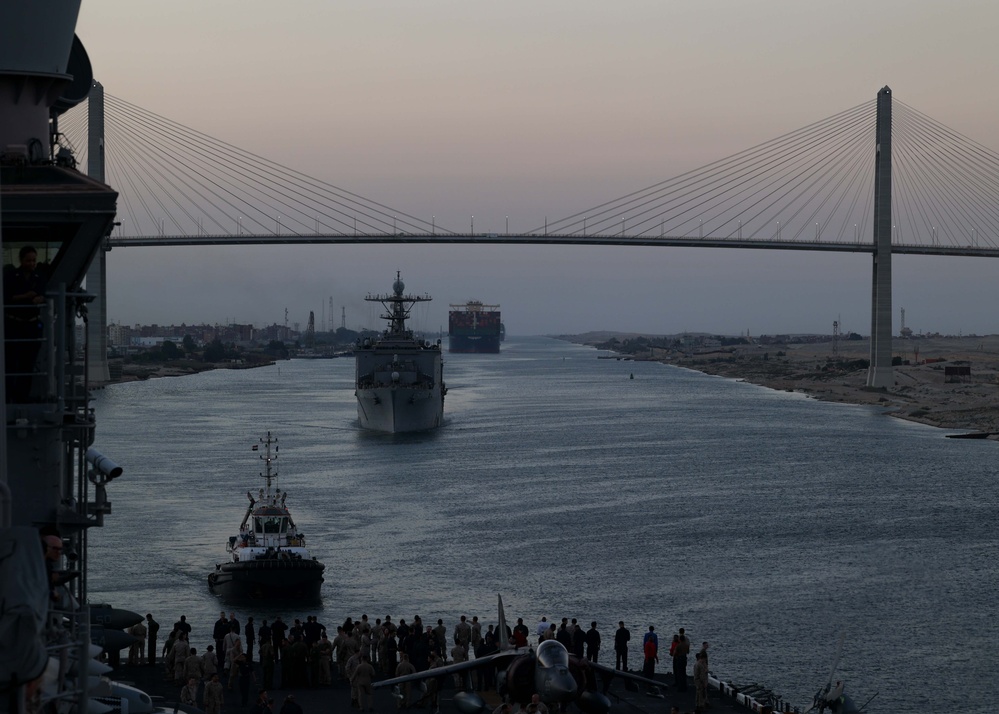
268,559
399,379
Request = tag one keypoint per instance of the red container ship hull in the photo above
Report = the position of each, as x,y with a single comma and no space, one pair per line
474,328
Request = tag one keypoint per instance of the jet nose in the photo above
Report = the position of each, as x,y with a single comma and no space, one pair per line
561,686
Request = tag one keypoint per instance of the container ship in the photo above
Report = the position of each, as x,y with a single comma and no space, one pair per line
475,328
399,381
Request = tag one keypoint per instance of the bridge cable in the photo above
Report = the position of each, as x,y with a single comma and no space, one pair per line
372,210
747,155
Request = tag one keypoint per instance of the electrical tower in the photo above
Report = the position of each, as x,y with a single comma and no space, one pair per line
331,315
343,317
835,346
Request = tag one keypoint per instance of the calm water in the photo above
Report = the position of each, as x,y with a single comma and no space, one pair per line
764,522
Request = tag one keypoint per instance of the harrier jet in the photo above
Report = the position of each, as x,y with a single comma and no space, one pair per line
550,671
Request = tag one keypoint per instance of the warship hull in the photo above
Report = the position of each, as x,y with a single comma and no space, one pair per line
400,409
270,580
399,386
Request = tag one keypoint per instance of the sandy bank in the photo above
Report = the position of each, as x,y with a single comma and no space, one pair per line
922,392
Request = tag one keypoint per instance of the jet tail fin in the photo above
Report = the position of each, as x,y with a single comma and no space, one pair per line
504,639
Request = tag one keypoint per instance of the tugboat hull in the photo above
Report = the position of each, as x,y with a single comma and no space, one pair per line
296,580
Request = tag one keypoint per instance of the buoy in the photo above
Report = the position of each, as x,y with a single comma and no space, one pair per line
632,376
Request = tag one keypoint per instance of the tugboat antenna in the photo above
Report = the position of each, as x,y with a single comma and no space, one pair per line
268,458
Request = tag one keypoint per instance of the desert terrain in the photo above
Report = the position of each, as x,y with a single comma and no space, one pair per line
922,392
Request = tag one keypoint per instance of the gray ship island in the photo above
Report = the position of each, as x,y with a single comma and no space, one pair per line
399,379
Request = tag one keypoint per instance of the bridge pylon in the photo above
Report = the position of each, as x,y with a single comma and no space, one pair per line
880,373
97,312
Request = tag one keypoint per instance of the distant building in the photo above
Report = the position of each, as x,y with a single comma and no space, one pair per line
119,335
244,335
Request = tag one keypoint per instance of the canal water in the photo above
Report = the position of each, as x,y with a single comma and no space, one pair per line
764,522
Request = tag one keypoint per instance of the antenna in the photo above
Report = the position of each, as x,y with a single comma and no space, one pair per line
269,458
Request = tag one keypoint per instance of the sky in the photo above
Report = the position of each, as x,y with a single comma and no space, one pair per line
532,109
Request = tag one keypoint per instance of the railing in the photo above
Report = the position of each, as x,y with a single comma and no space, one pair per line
68,646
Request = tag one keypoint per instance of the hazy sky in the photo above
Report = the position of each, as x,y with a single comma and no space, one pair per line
534,109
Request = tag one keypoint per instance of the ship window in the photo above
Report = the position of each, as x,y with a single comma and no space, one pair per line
273,524
46,254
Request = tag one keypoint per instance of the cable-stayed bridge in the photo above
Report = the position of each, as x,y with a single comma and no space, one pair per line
810,189
880,177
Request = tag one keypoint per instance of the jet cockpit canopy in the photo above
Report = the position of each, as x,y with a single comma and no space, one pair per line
552,654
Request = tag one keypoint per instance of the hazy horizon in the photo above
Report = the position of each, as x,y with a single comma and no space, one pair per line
530,111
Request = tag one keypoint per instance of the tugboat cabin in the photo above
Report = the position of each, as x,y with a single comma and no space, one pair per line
267,533
271,526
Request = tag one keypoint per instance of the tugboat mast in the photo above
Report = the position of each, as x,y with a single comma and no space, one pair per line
270,474
268,459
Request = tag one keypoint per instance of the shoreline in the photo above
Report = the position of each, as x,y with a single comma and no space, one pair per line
922,393
137,372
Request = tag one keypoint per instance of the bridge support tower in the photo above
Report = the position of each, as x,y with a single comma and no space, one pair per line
880,373
97,312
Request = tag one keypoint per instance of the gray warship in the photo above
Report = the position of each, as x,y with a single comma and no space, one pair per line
399,379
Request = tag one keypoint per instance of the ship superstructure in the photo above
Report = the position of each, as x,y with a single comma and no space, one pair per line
475,328
399,379
54,485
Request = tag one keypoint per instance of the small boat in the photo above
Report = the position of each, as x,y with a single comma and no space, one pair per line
268,559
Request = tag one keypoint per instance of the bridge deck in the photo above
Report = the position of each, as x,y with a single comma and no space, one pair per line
549,239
